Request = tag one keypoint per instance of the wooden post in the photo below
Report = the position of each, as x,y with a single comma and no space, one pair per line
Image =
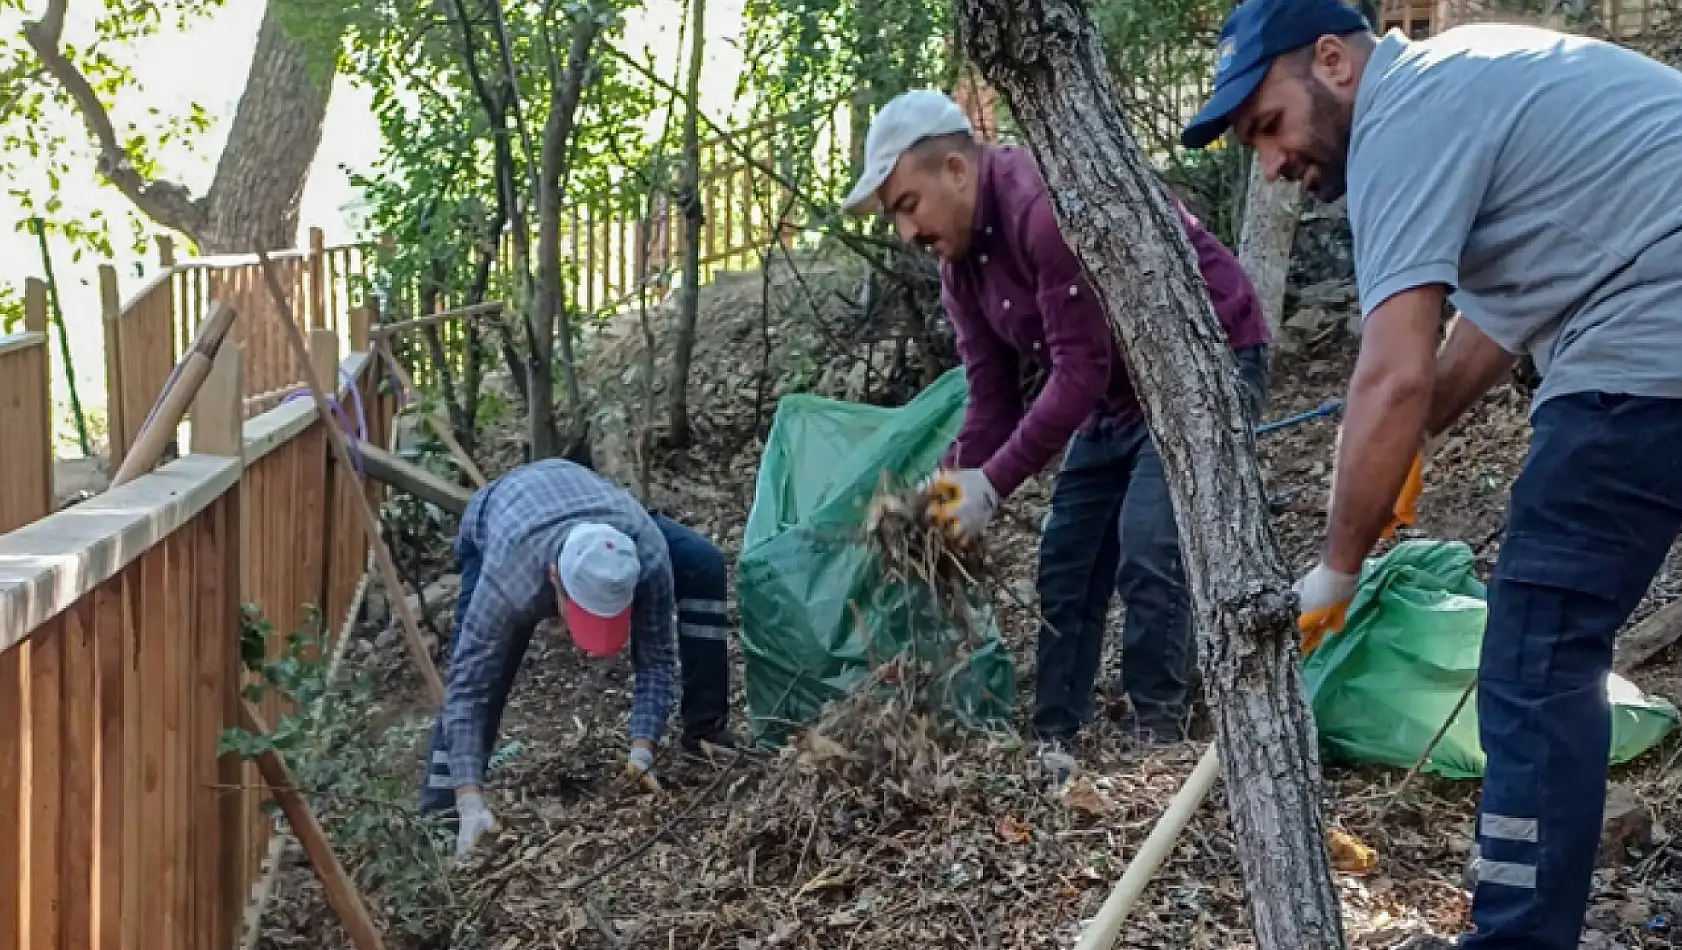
35,321
324,361
324,357
166,251
342,894
361,322
218,413
318,285
112,307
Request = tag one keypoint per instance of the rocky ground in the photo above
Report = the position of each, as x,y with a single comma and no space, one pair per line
971,850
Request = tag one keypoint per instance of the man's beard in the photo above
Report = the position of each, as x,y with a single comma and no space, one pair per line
1330,122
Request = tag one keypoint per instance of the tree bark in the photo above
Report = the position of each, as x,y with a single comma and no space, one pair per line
259,183
1271,210
1045,57
689,197
253,200
547,308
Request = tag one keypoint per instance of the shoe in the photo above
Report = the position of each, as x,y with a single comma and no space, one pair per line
1057,762
1153,730
716,739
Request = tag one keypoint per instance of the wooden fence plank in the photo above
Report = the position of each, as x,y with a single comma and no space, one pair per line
154,619
77,706
133,897
26,420
14,751
44,656
109,667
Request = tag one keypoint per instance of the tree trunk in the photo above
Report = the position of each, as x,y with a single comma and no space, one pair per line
1045,57
1271,210
547,309
694,219
253,200
259,183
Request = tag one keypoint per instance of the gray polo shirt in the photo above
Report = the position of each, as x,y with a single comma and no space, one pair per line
1538,175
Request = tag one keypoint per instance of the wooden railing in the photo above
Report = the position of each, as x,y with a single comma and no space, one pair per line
122,827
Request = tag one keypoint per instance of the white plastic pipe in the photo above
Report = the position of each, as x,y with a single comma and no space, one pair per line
1107,925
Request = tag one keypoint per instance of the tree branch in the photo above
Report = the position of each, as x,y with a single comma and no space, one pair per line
167,203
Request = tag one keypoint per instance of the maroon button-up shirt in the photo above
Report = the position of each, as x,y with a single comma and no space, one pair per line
1020,292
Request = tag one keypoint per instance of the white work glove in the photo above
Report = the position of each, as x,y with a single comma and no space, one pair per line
1324,596
473,820
962,501
639,767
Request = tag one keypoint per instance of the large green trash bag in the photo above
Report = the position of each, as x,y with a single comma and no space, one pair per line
1383,687
816,613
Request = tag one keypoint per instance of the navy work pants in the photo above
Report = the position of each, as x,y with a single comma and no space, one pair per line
1592,516
700,583
1111,528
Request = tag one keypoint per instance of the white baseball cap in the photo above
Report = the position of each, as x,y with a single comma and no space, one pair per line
599,570
907,119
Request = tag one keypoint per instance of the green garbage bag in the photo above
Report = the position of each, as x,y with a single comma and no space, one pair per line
1383,687
816,613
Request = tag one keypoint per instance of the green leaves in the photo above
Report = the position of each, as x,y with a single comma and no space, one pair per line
37,156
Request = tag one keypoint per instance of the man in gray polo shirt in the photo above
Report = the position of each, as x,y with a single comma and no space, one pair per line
1534,179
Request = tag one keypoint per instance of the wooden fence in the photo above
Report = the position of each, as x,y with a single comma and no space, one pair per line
145,335
26,487
119,668
610,253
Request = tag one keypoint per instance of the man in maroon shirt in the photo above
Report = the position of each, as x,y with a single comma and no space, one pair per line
1013,289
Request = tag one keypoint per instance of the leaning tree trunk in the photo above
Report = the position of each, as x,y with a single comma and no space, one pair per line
1045,57
694,219
1271,209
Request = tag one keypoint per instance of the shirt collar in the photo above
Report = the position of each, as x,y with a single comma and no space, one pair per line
1383,56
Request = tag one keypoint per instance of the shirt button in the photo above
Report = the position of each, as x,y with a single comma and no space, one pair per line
1007,303
1037,345
983,258
1072,291
988,229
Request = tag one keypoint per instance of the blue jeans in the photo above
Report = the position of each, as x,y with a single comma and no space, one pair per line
700,582
1592,516
1111,528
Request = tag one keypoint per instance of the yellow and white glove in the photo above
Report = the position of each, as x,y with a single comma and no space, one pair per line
961,501
472,820
1324,596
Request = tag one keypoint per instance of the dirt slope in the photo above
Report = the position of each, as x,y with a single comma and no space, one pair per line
764,854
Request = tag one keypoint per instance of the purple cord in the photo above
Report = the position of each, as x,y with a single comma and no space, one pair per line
338,412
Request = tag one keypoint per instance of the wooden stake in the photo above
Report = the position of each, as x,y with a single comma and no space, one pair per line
441,423
342,894
370,518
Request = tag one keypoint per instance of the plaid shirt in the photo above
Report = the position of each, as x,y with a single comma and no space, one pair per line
518,523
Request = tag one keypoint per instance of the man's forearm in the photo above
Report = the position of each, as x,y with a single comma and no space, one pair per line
1383,423
1381,435
1468,364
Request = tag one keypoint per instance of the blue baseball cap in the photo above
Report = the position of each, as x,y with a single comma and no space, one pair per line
1255,34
